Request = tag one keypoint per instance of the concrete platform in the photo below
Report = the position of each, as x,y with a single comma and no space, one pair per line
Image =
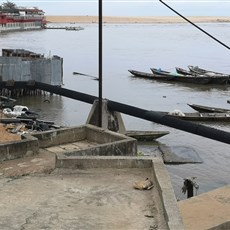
82,178
86,140
80,199
210,210
38,196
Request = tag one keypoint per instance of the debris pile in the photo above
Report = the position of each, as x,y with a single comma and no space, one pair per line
20,120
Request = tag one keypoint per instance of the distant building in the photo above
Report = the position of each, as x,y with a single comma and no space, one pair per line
23,65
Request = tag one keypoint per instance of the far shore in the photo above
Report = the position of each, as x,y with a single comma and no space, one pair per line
122,20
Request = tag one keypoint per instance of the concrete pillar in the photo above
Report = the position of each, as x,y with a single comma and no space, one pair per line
111,120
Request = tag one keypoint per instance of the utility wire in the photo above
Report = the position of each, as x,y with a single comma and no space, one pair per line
195,25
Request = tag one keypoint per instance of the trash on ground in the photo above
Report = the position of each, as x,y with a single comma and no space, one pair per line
144,184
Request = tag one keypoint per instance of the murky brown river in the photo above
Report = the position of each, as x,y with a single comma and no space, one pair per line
140,47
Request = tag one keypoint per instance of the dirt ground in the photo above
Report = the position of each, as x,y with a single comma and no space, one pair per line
6,136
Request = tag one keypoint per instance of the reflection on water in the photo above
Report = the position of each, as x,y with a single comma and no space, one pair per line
139,47
63,111
48,107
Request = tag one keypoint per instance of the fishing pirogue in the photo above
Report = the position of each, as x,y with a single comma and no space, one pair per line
215,117
183,76
172,78
208,109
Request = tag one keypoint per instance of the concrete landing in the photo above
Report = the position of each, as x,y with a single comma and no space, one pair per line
38,196
80,199
71,183
74,146
210,210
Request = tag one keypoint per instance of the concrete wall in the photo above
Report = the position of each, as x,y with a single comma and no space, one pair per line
46,70
57,71
60,136
109,143
14,69
164,185
101,135
87,162
117,148
28,146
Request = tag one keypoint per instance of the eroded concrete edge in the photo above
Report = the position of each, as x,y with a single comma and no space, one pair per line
173,215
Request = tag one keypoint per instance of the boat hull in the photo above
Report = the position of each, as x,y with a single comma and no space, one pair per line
146,135
151,76
193,77
172,78
204,117
207,109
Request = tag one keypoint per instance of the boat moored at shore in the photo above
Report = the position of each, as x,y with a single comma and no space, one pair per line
15,18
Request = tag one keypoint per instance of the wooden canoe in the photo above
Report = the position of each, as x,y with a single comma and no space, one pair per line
165,73
216,78
198,70
151,76
208,109
196,77
146,135
171,78
209,117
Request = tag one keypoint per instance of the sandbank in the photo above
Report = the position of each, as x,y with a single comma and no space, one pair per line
122,20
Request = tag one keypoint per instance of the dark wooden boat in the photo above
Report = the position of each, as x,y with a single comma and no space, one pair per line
172,78
151,76
184,71
198,70
165,73
217,78
208,109
146,135
204,117
198,79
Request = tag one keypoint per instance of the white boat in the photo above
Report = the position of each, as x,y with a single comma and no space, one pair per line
15,18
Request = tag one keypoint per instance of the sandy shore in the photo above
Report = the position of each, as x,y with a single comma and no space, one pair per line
108,19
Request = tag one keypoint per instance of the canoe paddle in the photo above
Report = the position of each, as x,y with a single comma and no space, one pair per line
77,73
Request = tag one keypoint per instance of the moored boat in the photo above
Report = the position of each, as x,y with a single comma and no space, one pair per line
184,71
165,73
145,135
172,78
198,70
76,28
14,18
151,76
203,117
186,76
208,109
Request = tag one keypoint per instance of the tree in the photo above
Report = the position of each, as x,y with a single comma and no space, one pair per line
8,5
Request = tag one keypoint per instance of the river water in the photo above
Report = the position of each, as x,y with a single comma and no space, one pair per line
139,47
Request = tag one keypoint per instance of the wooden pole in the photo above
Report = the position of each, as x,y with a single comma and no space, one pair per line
100,65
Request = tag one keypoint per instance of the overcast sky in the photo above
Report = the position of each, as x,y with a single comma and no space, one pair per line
131,7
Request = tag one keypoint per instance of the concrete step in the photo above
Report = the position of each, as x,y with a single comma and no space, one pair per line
209,210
